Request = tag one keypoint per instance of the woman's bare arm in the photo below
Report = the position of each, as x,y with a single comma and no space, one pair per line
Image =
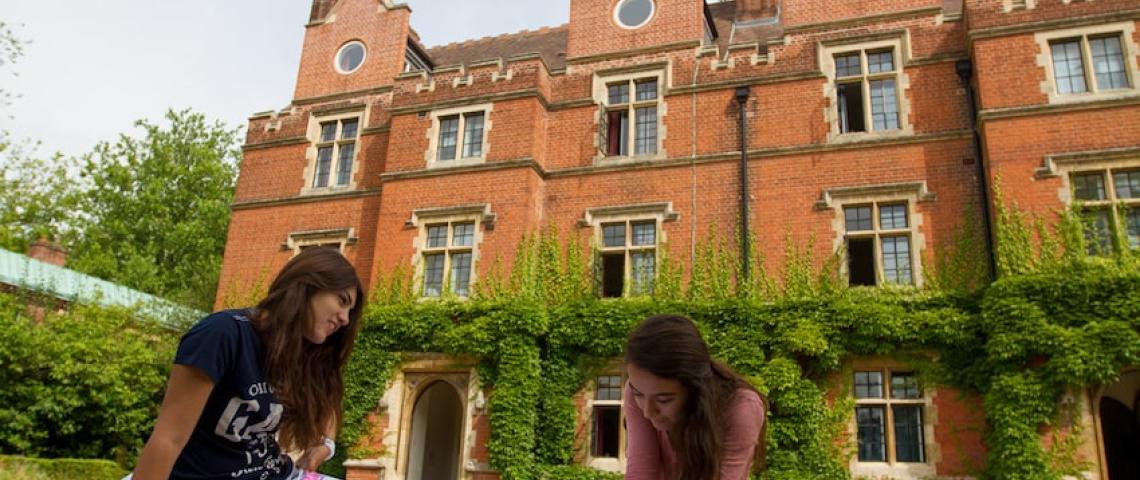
186,395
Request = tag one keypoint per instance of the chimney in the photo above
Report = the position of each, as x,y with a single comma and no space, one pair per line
751,10
320,10
48,252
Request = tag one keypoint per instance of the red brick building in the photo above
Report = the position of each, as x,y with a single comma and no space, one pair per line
623,127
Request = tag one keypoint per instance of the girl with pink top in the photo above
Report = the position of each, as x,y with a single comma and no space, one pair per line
688,417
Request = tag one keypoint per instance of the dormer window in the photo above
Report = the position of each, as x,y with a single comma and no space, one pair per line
413,61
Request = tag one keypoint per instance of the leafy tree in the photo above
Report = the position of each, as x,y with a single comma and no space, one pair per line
11,49
155,214
36,196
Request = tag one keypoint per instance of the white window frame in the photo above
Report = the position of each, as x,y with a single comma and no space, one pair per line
340,51
1128,46
313,133
909,193
479,215
892,468
649,18
609,464
431,156
1112,203
601,85
900,48
658,213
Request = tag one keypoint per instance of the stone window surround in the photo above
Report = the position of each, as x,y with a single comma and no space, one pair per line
899,43
313,134
1128,45
901,471
1067,164
659,213
297,240
479,214
600,95
909,193
433,136
606,464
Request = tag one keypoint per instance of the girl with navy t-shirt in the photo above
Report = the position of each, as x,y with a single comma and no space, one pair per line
247,384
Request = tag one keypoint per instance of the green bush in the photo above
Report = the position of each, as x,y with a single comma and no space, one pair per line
27,468
85,383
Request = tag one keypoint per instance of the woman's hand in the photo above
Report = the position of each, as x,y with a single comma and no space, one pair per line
313,458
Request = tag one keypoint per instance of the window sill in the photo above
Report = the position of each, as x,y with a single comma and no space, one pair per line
463,162
326,191
861,137
607,464
628,159
1090,97
887,470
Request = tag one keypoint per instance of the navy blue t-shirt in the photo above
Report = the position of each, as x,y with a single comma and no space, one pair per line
235,436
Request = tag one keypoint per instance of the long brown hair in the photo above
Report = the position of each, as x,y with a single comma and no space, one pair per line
670,346
308,379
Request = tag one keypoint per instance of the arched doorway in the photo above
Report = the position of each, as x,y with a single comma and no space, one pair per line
1120,427
437,423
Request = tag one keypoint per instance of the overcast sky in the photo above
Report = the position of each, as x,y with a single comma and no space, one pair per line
94,67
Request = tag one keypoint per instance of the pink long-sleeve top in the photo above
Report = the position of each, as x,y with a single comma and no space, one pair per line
650,456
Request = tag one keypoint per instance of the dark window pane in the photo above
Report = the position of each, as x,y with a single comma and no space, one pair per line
328,131
645,234
908,434
448,136
868,385
619,94
1089,186
896,260
1127,184
850,100
645,141
848,65
348,129
324,164
344,164
613,275
605,435
647,90
460,273
1108,63
473,135
633,13
861,261
1067,67
879,62
433,275
904,386
858,219
871,430
613,235
643,271
463,235
892,217
618,134
437,236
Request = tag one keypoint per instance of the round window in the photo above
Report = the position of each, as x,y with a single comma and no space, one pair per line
633,13
350,57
